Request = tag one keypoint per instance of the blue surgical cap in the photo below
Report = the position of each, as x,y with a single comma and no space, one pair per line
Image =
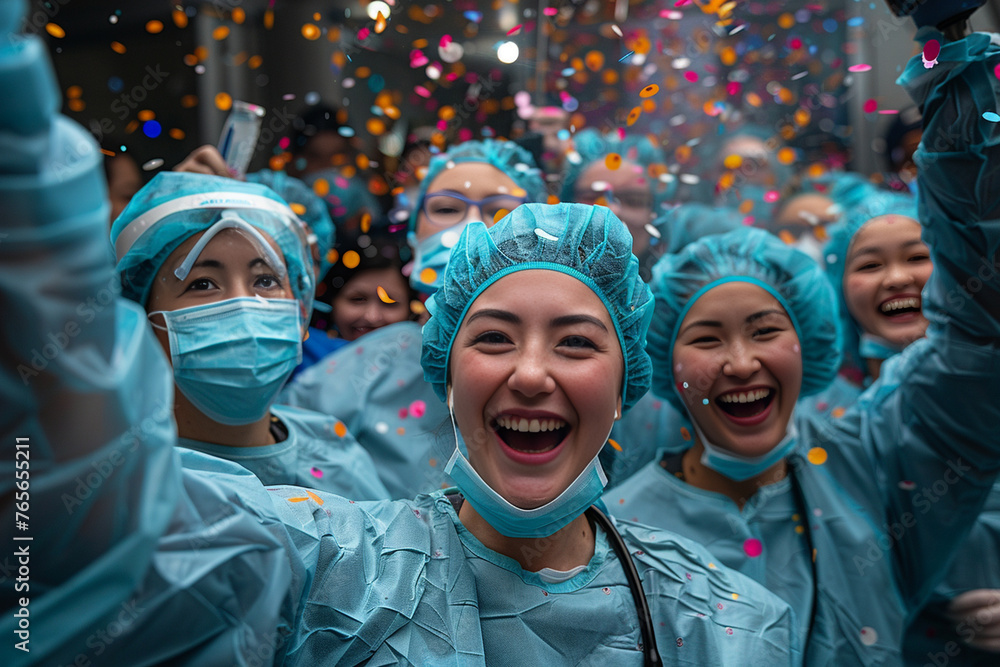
506,156
876,204
313,211
689,222
173,206
586,242
591,146
754,256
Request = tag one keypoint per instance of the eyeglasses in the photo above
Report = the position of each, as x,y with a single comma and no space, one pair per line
449,209
626,198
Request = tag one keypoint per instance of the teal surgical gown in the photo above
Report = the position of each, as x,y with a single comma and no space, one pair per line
888,491
375,384
318,453
139,552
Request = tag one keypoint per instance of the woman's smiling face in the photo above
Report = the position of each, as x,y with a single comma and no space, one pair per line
738,367
887,267
536,373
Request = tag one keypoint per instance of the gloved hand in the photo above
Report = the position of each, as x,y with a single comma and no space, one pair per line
976,615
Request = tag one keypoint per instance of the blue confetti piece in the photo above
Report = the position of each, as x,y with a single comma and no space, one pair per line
626,56
704,401
992,117
855,21
152,129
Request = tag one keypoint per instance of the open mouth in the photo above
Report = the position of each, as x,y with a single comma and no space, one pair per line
745,404
530,436
900,306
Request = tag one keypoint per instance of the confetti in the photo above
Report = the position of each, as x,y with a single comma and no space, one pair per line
614,445
753,547
316,472
932,49
861,67
817,456
383,295
991,116
613,161
868,636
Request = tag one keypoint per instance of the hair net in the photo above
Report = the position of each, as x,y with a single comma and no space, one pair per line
192,203
506,156
587,242
590,146
306,204
763,258
876,203
689,222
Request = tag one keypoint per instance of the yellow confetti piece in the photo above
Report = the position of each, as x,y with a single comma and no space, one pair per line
220,33
786,155
351,259
417,308
297,208
817,456
802,117
428,276
728,56
117,47
223,101
311,31
711,566
614,444
154,27
383,295
736,596
745,206
799,529
649,90
375,126
55,30
594,60
340,429
732,162
613,161
633,116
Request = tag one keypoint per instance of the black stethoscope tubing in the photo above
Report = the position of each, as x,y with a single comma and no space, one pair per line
651,655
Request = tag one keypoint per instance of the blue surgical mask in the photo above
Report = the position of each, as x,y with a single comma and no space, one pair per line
738,467
433,253
513,521
232,357
876,347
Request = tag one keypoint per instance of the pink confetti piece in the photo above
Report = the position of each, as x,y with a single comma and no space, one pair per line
772,196
418,408
734,88
550,11
870,106
996,71
423,92
753,547
363,34
515,30
316,472
403,413
445,41
862,67
691,76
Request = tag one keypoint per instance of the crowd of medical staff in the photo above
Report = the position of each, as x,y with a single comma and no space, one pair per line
538,409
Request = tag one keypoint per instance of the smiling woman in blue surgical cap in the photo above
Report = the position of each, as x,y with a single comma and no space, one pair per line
851,520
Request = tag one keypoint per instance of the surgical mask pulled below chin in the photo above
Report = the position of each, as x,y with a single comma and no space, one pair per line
513,521
232,357
876,347
741,468
430,257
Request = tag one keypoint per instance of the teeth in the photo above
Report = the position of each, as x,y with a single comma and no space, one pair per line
909,302
745,396
529,426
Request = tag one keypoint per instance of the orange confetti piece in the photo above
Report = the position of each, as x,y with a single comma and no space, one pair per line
309,496
297,208
786,155
838,412
613,161
269,19
146,114
732,162
594,60
428,276
383,295
311,31
223,101
615,445
321,187
220,33
366,222
340,429
176,133
633,116
351,259
74,91
55,30
649,90
817,456
239,16
498,216
416,307
685,434
117,47
180,18
154,27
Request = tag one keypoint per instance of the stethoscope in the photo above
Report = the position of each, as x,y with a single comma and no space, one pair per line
651,655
